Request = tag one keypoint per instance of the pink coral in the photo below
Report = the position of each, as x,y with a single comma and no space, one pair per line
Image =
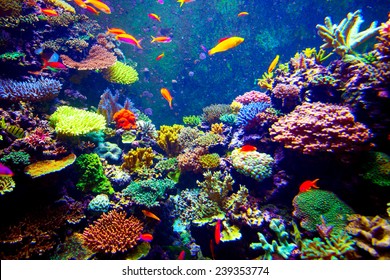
319,127
253,96
284,91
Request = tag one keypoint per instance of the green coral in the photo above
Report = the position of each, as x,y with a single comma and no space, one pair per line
16,158
12,55
120,73
148,192
229,119
70,121
311,205
92,175
209,161
192,120
280,247
338,246
378,169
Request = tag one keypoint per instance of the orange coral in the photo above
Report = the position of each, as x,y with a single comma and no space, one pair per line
125,119
113,232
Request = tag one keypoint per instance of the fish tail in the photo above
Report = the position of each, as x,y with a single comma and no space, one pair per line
139,43
153,39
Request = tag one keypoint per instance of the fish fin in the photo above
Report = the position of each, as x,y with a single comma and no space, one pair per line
314,184
54,57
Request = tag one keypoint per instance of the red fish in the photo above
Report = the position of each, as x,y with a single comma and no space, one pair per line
5,171
154,16
248,148
217,232
182,255
307,185
147,237
150,215
92,10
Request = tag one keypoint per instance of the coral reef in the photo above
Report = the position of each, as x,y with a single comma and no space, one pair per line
109,151
253,96
209,161
192,120
247,115
100,203
138,159
383,46
7,184
378,169
212,113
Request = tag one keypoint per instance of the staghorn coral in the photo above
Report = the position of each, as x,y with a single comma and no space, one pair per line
192,120
167,139
70,121
345,36
314,205
98,58
253,164
42,168
247,115
33,90
138,159
319,127
113,233
372,234
125,119
7,184
121,73
253,96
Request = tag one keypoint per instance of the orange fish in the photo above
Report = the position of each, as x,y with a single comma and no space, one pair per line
184,1
115,31
92,10
150,215
49,12
128,39
223,39
154,16
160,56
147,237
162,39
182,255
167,95
307,185
217,232
248,148
81,4
243,14
99,5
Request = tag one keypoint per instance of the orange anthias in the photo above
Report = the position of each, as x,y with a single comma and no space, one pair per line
307,185
167,95
125,119
150,215
217,232
248,148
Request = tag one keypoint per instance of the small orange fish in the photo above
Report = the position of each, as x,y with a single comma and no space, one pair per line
184,1
92,10
248,148
307,185
154,16
81,3
182,255
99,5
167,95
217,232
150,215
147,237
49,12
128,39
115,31
243,14
162,39
273,64
160,56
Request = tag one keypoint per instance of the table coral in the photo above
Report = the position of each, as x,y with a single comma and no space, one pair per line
311,206
44,167
121,73
125,119
138,158
113,233
319,127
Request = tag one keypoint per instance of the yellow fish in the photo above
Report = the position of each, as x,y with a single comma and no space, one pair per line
273,64
226,44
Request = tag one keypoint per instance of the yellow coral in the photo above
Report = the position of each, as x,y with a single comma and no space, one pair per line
120,73
69,121
138,158
236,106
7,184
309,52
217,128
230,233
62,4
167,139
266,80
45,167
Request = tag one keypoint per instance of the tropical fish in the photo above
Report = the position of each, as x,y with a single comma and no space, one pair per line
217,232
51,64
115,31
12,129
160,56
248,148
160,1
99,5
226,45
92,10
49,12
243,14
307,185
162,39
223,39
5,171
150,215
81,4
154,16
184,1
182,255
273,64
167,95
147,237
128,39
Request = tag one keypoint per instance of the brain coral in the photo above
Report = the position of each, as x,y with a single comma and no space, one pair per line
311,205
120,73
69,121
253,164
319,127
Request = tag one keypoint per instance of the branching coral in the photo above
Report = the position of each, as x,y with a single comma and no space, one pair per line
190,160
247,115
192,120
120,73
167,139
137,159
345,36
69,121
212,113
98,58
319,127
7,184
113,233
384,40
